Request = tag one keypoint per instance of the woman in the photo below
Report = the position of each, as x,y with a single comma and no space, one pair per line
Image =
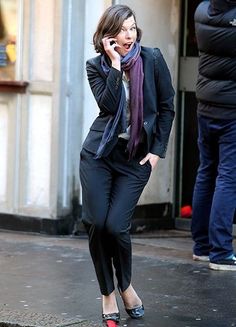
132,87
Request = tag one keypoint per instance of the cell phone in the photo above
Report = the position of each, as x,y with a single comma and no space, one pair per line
112,42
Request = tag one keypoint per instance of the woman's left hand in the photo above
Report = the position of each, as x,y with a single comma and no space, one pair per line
153,159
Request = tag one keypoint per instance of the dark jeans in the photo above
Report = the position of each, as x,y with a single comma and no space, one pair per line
214,197
111,188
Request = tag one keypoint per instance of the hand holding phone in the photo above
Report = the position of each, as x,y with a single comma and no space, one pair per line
109,42
110,47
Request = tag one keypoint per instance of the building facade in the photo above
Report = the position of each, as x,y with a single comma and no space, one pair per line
46,108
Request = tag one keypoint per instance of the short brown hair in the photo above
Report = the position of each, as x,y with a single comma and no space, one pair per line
110,24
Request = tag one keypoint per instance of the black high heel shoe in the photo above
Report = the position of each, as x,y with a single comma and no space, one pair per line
136,313
111,316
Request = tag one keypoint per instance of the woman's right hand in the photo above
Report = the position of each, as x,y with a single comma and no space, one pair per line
109,45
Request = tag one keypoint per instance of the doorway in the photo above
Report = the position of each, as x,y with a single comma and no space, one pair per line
187,150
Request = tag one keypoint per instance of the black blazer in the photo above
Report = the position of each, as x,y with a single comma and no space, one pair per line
158,97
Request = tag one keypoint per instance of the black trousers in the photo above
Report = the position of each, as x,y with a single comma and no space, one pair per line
111,188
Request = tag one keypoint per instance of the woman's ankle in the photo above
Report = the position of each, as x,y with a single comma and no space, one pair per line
109,303
130,298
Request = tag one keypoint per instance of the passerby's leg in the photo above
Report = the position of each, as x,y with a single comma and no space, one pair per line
96,181
204,186
224,201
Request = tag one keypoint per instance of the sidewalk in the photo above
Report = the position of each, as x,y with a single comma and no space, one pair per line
50,281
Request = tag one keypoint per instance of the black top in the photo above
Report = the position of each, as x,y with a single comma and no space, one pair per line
158,95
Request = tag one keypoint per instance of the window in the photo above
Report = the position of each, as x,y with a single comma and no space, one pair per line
8,33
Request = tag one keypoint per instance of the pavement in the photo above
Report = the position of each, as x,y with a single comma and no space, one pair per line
48,281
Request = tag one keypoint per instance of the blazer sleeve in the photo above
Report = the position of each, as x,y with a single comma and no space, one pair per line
165,96
106,89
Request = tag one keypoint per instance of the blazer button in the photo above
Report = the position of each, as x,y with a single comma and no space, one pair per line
145,123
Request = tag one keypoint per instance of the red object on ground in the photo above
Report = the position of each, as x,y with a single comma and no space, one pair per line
111,323
186,211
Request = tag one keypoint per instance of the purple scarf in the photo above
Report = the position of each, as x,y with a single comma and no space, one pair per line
132,63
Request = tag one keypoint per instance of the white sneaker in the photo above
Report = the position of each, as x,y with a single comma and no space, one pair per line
225,264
